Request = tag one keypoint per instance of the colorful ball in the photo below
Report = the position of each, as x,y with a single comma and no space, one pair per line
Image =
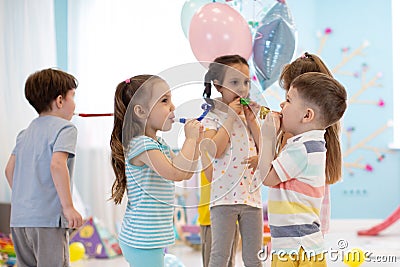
354,257
76,251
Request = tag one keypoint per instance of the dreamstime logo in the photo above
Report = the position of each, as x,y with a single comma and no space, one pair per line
342,244
353,255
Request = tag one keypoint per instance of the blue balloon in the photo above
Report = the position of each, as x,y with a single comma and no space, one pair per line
279,10
172,261
274,46
190,7
274,43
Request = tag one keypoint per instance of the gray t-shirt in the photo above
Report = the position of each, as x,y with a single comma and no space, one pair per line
34,200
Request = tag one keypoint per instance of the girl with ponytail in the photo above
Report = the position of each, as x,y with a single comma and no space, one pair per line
146,168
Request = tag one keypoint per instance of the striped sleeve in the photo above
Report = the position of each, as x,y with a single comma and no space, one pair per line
290,162
141,144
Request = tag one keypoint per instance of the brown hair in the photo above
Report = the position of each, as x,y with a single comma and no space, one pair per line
305,63
331,101
312,63
44,86
330,98
217,70
123,95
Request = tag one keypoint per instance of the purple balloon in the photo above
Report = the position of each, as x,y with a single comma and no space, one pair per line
274,46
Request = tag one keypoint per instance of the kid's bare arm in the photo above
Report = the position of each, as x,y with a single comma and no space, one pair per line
269,131
61,178
187,158
206,159
250,112
182,166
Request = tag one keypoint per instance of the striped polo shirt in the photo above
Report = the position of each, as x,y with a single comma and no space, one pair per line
148,220
294,205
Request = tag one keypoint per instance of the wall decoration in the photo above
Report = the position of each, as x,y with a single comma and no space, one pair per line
372,83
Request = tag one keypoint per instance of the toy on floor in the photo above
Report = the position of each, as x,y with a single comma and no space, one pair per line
192,234
7,252
266,229
354,257
76,251
395,216
172,261
189,234
97,240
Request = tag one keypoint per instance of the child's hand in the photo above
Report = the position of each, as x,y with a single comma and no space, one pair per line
277,118
251,162
235,107
73,217
251,110
194,130
271,125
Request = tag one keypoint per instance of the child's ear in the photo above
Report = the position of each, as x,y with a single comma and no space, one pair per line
140,111
309,116
217,85
59,101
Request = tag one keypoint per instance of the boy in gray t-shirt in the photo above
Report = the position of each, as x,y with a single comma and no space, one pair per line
39,173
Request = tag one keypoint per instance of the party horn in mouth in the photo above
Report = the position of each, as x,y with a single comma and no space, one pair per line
205,107
245,101
264,112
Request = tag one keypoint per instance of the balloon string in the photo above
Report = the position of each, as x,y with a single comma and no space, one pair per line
254,10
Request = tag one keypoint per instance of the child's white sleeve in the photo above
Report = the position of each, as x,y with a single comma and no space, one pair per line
210,122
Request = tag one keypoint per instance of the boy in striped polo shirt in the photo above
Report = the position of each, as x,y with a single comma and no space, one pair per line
297,175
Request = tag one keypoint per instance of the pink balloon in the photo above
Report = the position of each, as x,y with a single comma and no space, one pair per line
217,29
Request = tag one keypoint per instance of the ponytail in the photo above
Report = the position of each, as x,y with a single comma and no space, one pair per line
333,169
117,150
123,95
207,88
